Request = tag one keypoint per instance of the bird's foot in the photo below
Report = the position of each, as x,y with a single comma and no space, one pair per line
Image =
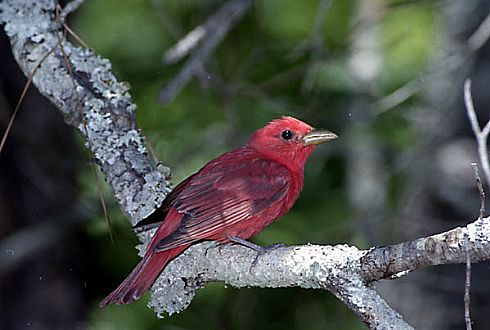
261,250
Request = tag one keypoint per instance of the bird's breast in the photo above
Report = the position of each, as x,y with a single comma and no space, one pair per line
275,210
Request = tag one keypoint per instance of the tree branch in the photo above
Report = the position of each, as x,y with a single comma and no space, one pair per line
440,249
481,35
333,268
206,38
91,99
481,135
340,269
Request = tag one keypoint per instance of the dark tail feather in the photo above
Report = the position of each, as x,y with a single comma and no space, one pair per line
141,278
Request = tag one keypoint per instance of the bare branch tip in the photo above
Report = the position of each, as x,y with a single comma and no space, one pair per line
468,98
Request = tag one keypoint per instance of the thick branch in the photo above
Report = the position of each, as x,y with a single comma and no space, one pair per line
334,268
90,98
340,269
443,248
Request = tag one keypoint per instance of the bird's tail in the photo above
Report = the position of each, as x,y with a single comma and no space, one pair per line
141,278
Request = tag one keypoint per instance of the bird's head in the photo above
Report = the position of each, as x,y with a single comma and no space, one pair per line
288,141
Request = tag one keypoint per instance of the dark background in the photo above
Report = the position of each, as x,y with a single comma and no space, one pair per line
400,169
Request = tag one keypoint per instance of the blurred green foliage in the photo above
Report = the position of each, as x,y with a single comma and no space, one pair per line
269,65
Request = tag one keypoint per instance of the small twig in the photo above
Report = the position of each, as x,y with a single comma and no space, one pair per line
467,285
74,35
21,99
398,96
481,135
480,190
61,14
151,150
185,45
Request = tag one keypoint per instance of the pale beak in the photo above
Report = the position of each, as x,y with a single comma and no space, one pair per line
318,136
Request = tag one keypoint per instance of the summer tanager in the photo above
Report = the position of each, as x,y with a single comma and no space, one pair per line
230,199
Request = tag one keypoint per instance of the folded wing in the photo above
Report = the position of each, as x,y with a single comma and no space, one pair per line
225,194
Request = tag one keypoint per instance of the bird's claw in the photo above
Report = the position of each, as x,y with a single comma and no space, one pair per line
261,250
265,249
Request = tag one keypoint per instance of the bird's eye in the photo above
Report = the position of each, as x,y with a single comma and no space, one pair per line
287,135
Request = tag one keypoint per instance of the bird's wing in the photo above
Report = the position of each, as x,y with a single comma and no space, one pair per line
223,195
160,213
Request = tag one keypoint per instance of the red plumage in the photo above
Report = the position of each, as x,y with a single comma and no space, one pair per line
235,195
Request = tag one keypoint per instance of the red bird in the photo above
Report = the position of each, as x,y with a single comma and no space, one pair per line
230,199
